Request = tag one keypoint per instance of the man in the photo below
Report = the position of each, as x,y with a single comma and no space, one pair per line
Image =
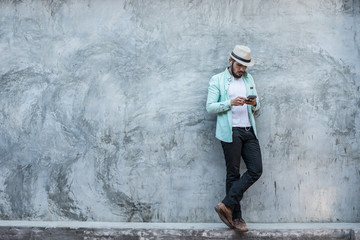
235,127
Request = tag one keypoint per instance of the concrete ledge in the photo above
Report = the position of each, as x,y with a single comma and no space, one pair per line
15,230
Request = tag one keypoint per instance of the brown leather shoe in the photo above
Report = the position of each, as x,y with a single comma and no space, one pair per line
240,225
225,214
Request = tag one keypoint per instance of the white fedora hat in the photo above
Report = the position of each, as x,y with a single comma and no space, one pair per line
242,54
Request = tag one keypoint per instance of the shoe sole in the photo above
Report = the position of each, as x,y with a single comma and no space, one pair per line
241,230
222,217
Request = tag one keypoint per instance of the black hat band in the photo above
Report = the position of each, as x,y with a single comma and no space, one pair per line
239,58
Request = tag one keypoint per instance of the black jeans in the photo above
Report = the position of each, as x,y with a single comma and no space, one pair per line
245,145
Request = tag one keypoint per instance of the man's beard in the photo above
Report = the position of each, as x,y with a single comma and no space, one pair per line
233,73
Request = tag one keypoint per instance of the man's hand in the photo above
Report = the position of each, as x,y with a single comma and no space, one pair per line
239,101
251,101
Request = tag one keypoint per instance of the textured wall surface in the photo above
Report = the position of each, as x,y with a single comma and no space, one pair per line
103,116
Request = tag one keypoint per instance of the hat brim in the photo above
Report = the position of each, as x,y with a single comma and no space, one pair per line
248,64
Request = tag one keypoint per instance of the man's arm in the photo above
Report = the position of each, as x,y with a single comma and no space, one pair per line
256,107
212,104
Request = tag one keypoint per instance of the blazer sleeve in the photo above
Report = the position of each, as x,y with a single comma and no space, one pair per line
257,106
212,104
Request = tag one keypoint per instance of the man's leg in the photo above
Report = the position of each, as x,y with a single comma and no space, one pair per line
251,155
232,153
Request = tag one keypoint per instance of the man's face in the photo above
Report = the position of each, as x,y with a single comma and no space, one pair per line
237,69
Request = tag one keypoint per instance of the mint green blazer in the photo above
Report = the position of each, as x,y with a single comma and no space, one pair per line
218,102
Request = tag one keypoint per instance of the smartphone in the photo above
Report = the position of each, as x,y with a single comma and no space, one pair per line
251,96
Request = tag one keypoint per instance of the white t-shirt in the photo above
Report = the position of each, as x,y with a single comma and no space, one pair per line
240,117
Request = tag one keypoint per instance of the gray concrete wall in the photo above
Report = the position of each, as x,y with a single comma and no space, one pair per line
103,114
